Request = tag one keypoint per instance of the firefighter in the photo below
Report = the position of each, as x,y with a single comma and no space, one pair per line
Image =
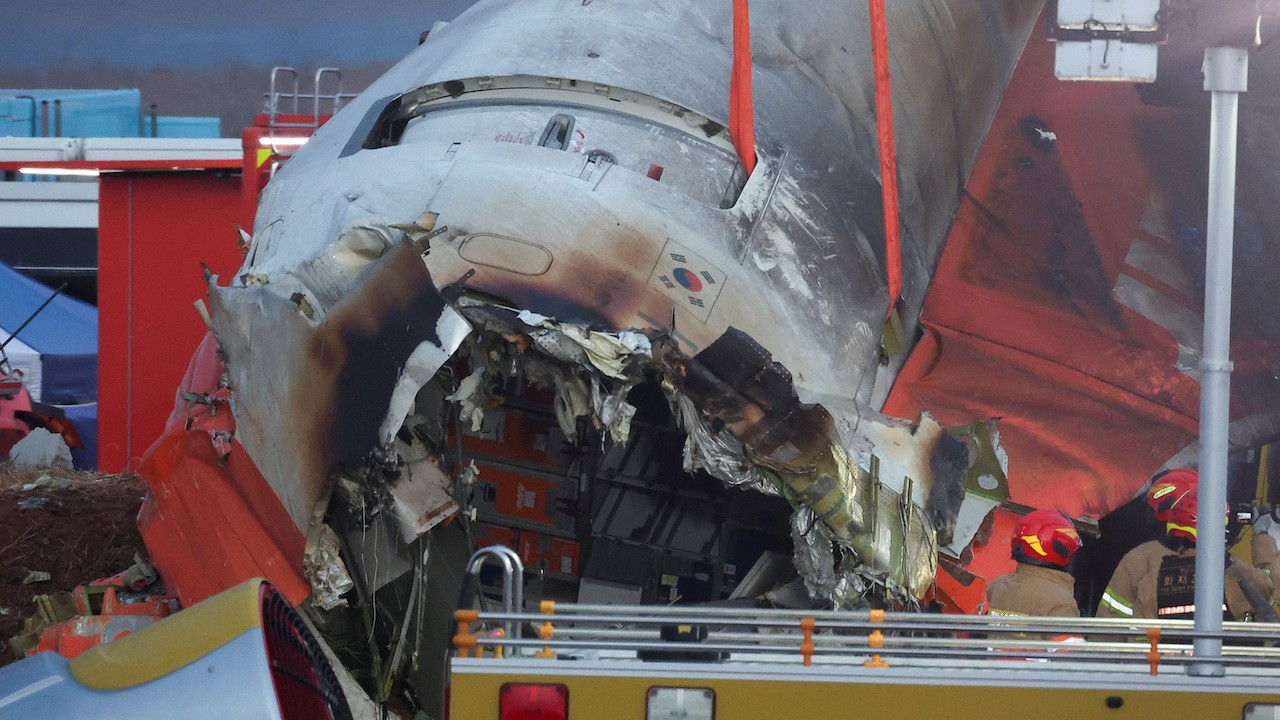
1265,548
1141,562
1044,542
1157,579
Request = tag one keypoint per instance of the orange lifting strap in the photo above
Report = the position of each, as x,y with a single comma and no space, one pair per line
742,123
888,151
742,126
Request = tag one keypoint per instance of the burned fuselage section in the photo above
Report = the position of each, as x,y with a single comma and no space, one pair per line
402,426
521,291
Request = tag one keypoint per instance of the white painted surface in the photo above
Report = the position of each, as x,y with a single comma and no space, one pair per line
16,149
1111,14
1112,60
25,362
104,149
49,204
233,681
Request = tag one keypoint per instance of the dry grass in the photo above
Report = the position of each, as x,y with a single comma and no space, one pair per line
87,532
14,477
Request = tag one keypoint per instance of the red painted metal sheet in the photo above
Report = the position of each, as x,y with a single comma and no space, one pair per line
1067,302
552,554
264,150
527,441
517,497
113,620
211,520
154,230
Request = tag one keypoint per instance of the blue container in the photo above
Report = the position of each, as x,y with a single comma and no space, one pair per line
70,113
178,126
19,116
92,113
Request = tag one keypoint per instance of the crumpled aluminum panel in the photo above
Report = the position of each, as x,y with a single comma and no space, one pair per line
315,392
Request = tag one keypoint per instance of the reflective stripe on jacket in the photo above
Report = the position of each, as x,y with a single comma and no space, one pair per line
1132,591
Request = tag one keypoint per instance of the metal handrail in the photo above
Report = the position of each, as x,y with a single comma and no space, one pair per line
512,581
792,640
852,637
304,97
1076,653
1028,624
514,596
918,622
275,95
316,96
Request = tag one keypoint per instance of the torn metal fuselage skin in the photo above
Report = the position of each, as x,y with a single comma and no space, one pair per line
574,228
562,169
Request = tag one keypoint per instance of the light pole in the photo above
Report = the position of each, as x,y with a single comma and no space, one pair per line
1226,71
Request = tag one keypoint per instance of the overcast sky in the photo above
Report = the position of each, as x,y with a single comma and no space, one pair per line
37,34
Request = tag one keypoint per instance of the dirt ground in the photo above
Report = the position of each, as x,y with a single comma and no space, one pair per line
84,531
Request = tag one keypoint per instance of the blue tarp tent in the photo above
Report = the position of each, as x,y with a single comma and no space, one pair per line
57,354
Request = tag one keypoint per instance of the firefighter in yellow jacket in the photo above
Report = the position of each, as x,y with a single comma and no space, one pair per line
1143,562
1043,543
1157,579
1266,549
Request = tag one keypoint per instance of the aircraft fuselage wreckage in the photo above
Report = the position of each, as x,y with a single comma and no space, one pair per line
523,284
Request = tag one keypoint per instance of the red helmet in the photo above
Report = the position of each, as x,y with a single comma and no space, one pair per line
1180,519
1167,487
1045,537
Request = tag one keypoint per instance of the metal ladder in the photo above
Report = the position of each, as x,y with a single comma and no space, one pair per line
277,98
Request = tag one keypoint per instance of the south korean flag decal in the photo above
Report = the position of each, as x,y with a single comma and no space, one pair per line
688,279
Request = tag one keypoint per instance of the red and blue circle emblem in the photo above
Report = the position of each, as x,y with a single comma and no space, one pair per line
687,279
